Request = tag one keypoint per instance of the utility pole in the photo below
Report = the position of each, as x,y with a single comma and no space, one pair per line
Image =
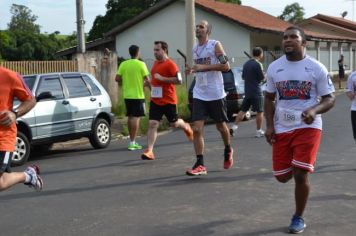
80,27
190,26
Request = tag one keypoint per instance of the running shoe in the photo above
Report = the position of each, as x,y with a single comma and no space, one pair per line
260,133
188,132
147,155
134,146
232,130
198,170
36,181
297,225
228,159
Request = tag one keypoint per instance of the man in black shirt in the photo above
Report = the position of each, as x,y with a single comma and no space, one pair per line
252,73
340,62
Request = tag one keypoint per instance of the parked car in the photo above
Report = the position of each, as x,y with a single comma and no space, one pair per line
69,106
234,88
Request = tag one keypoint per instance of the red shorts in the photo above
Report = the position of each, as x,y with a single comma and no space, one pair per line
297,148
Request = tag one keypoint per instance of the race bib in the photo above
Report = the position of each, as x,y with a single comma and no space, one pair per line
201,79
287,117
156,92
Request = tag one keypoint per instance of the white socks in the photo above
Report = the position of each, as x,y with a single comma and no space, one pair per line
234,127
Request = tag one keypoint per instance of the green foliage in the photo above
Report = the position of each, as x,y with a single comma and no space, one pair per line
118,11
23,40
22,20
293,13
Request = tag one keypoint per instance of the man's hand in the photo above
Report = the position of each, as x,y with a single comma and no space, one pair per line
270,135
7,118
159,77
308,116
197,68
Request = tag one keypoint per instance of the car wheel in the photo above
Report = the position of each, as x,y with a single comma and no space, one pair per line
247,115
22,150
101,134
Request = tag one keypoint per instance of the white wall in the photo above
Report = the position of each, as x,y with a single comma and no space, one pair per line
169,25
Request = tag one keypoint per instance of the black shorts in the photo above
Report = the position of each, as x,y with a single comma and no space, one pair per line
255,103
5,161
169,110
135,107
216,110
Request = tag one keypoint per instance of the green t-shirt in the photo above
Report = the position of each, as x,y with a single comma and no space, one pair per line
133,72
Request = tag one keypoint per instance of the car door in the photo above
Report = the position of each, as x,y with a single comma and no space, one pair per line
82,104
53,115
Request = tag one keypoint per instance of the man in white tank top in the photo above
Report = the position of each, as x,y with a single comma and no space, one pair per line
299,89
209,95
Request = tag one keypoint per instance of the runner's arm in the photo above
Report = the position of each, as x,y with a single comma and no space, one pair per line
146,82
9,117
351,95
325,104
118,79
269,109
219,51
170,80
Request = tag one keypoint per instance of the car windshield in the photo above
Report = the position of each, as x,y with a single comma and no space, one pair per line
30,81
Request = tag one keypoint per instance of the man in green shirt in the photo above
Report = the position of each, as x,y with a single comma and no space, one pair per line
133,75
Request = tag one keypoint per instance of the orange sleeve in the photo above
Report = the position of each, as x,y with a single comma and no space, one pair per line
20,89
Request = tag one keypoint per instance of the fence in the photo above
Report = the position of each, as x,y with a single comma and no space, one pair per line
35,67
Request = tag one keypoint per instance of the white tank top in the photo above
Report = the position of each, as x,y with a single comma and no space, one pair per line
209,85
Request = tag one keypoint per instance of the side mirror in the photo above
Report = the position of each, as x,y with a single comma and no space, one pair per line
44,95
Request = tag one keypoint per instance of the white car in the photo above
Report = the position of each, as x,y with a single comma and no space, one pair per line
69,106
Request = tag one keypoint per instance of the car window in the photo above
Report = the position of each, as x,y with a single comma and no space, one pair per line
95,90
76,87
51,84
30,81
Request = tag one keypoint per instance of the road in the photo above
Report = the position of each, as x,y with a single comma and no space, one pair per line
114,192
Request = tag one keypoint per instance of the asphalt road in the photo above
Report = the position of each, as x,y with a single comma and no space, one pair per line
114,192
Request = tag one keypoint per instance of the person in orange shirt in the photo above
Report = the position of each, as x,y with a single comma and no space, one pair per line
11,86
165,75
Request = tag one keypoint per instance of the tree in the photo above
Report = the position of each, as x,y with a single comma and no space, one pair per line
293,13
23,40
118,11
23,20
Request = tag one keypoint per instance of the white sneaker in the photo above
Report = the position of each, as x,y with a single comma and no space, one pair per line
36,180
260,133
232,130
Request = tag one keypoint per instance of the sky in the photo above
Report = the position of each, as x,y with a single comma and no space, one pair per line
60,15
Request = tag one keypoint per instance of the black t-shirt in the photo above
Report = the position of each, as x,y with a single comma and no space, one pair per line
341,64
253,75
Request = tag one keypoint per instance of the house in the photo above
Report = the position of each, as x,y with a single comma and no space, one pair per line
238,27
338,27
